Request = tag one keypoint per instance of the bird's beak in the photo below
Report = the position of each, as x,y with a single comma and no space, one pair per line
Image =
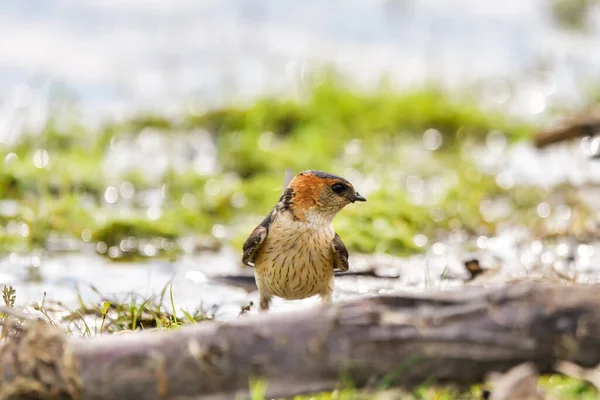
358,197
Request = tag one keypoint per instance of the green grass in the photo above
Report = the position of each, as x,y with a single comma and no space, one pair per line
554,387
113,315
335,128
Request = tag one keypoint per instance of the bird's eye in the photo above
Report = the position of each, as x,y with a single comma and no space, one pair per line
338,187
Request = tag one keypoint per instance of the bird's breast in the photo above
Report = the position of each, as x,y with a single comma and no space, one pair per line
296,261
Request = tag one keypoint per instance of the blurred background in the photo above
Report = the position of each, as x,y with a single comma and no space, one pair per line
142,141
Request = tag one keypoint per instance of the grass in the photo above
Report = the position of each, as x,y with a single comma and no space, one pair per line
370,136
126,313
554,387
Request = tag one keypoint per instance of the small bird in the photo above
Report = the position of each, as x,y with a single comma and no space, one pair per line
295,250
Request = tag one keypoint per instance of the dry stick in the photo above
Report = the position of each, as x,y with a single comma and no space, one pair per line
583,124
402,340
246,281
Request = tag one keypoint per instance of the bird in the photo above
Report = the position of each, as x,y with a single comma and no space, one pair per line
295,250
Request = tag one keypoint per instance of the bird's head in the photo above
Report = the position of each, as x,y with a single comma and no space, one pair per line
319,195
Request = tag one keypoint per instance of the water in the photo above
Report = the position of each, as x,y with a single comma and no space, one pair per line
513,254
66,269
113,57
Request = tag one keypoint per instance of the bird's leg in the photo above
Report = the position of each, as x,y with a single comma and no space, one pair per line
326,298
265,295
265,302
327,294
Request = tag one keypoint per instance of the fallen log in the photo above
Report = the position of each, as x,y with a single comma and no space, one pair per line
404,339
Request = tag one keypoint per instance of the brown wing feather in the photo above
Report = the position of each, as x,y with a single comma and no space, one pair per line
340,252
255,240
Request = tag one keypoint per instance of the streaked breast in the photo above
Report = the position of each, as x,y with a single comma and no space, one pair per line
296,261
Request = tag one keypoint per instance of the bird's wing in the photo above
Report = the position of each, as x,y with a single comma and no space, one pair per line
255,240
340,260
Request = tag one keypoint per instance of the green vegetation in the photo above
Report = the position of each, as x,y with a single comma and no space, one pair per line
112,315
554,387
59,177
573,15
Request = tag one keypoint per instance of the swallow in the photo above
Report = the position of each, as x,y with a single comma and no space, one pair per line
295,251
